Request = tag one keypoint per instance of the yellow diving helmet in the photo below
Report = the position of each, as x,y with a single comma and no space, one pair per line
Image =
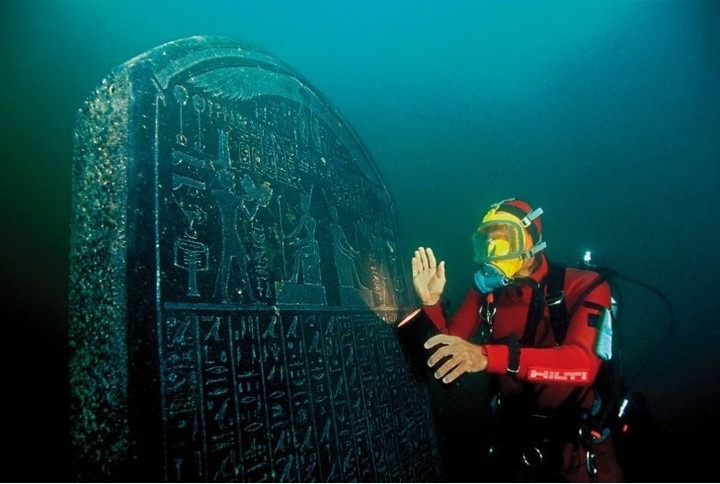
510,233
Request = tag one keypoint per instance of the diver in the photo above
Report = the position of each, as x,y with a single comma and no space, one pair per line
541,376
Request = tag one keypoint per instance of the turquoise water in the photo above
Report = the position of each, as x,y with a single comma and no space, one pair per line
605,114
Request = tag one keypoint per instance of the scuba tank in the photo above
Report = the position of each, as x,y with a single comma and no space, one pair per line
604,345
620,402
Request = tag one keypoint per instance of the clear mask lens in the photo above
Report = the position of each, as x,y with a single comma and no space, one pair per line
498,240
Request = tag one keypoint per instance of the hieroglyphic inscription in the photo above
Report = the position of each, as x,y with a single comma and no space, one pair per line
261,258
298,397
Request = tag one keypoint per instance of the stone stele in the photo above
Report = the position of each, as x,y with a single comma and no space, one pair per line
235,278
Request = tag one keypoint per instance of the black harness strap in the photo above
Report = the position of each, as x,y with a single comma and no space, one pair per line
555,300
535,310
513,366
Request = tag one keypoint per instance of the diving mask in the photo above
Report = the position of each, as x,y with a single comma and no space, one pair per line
501,244
503,239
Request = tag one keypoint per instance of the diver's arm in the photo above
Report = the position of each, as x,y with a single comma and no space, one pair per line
574,361
571,363
465,320
429,282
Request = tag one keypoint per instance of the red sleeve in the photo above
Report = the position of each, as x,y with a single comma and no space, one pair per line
465,320
573,362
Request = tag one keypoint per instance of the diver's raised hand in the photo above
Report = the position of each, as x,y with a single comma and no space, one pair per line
428,276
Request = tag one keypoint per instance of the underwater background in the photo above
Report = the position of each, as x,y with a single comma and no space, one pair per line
606,114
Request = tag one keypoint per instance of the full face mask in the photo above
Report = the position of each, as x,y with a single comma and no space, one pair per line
503,242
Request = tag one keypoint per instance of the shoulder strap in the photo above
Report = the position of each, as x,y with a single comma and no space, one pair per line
535,310
559,314
555,300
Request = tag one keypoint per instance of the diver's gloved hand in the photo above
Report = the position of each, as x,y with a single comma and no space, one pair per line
488,278
428,276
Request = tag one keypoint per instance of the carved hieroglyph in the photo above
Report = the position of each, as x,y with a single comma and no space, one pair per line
235,271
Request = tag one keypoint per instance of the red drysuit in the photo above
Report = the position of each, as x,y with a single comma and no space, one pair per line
557,374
